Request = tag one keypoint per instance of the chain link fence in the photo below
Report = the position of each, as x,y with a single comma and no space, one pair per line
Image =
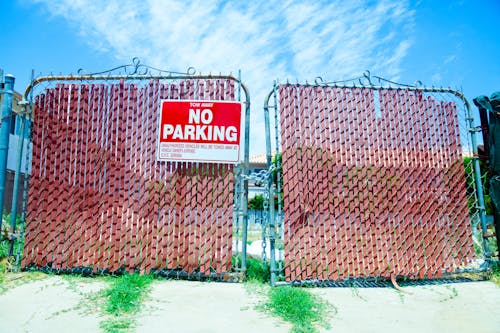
379,181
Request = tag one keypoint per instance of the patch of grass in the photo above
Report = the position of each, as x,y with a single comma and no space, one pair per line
117,325
4,249
123,299
257,270
495,275
5,263
125,293
3,271
301,308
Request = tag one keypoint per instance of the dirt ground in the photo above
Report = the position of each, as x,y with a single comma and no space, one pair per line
62,304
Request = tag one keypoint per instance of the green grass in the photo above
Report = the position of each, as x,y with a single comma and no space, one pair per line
3,272
9,263
9,275
4,262
117,325
4,249
257,270
495,276
301,308
304,310
123,299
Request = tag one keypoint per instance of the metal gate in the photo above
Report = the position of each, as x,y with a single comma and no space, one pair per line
98,198
378,180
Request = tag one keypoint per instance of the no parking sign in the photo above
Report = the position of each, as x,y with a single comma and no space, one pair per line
199,131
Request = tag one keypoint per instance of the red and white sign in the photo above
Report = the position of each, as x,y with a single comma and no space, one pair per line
199,131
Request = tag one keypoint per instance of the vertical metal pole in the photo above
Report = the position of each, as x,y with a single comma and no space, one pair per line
272,236
485,127
29,120
237,211
279,176
17,177
244,219
245,181
479,185
8,93
276,140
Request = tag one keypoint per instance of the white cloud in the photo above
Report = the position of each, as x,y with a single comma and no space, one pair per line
267,40
449,59
436,77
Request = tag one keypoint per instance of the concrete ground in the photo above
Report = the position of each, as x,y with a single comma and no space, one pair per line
61,304
472,307
52,304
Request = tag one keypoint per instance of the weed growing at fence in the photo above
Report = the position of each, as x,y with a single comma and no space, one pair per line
257,270
4,249
3,270
298,306
7,265
123,299
495,276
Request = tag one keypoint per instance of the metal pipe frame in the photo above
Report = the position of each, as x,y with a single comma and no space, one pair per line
6,113
366,76
270,189
147,75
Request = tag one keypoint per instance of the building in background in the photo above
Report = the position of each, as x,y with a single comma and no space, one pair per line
14,139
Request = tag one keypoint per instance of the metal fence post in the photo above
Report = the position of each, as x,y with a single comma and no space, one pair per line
245,167
8,93
272,236
245,181
17,177
479,184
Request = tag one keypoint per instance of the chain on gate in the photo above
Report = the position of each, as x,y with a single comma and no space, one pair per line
263,177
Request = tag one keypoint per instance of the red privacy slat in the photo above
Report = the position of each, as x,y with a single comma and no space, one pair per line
371,188
98,197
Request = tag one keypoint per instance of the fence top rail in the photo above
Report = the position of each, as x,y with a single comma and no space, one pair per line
139,71
134,71
365,81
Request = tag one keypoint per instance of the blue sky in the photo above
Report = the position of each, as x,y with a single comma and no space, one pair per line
442,43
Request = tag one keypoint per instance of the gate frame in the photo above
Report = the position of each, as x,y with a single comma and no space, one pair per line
140,72
365,81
